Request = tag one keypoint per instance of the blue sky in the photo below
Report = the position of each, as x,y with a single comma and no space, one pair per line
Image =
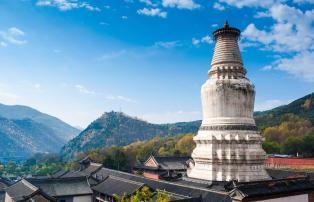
76,59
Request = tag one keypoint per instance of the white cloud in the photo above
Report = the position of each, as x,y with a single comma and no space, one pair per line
269,104
196,41
303,1
6,96
65,5
247,44
3,44
249,3
214,25
37,86
301,65
104,23
120,98
112,55
218,6
82,89
148,2
262,14
167,44
152,12
292,31
254,34
124,17
13,36
291,34
206,39
181,4
267,68
57,51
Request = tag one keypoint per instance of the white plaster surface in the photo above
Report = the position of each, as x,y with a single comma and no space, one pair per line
82,199
297,198
221,153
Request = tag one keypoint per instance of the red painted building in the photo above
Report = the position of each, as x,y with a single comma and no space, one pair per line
160,167
289,162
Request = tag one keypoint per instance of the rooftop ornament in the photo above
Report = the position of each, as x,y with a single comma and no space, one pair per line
226,30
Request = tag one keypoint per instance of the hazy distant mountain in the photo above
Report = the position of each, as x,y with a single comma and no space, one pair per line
21,138
61,129
116,128
25,131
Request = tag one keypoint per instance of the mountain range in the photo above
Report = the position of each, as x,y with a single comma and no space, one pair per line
25,131
116,128
303,107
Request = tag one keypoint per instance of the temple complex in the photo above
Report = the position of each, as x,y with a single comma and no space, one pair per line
227,164
229,146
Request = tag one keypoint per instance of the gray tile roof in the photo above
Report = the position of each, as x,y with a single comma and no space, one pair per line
283,174
63,186
4,183
185,190
165,163
93,167
116,185
172,163
273,187
90,169
20,190
59,173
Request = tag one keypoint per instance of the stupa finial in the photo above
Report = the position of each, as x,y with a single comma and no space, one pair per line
226,24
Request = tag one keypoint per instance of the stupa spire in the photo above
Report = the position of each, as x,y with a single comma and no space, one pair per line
227,60
228,144
226,24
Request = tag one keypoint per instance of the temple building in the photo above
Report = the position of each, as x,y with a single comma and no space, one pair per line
228,144
162,167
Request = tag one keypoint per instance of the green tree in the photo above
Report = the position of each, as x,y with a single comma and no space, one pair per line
163,197
115,158
144,194
293,145
123,198
185,145
271,147
11,167
308,142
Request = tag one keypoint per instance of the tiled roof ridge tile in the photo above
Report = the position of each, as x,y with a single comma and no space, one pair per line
29,185
167,182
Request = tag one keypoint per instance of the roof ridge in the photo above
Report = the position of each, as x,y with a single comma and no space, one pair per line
167,182
29,185
172,156
59,179
126,180
95,164
172,194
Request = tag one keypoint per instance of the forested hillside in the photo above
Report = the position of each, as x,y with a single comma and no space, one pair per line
289,129
303,108
284,129
116,128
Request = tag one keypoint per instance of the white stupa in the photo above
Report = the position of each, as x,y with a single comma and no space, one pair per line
228,144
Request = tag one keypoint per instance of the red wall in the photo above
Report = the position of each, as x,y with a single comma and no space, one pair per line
276,162
151,175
